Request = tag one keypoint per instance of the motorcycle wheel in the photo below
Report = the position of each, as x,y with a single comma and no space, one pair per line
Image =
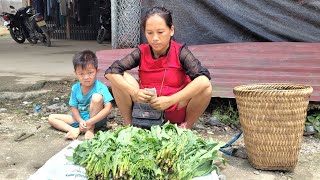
101,34
46,39
17,35
32,41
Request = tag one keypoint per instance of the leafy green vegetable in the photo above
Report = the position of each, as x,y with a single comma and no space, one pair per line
166,152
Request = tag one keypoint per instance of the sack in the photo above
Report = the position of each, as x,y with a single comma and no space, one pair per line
144,116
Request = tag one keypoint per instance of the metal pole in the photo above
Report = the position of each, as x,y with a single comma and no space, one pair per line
114,22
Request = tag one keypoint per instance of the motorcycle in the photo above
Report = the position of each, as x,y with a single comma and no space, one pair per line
13,24
104,31
24,24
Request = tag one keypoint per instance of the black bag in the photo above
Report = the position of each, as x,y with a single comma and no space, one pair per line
144,116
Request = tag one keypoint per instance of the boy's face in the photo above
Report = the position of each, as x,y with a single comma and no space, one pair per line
86,76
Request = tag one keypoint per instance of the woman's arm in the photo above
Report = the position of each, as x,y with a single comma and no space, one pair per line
191,64
193,88
130,61
199,75
116,71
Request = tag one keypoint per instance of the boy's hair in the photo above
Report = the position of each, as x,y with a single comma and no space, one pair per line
84,58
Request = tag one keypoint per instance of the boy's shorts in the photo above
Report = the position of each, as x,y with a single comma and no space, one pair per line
87,117
176,116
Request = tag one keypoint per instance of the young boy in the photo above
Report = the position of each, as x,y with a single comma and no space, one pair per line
89,101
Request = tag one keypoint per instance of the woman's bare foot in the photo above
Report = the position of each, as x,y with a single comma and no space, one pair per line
73,134
89,134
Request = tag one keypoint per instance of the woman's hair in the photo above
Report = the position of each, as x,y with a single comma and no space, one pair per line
160,11
84,58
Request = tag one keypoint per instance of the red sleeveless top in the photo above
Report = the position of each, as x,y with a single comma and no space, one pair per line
151,70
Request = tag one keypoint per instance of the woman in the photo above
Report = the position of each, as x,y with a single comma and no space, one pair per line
182,84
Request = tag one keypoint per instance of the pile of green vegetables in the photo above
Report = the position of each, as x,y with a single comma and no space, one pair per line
166,152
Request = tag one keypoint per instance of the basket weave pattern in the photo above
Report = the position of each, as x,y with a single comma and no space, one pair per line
272,117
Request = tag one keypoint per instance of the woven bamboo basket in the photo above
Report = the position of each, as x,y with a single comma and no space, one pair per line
272,117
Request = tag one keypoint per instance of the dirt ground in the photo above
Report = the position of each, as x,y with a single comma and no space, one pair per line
42,77
3,31
21,157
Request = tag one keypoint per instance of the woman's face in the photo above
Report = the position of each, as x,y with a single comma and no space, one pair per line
158,34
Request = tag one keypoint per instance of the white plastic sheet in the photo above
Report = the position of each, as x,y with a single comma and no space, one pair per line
59,168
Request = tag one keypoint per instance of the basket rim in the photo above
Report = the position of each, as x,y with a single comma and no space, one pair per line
258,87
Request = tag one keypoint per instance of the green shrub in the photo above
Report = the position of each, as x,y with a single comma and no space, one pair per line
225,110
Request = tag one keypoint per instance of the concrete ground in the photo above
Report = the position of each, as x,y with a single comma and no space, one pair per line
23,65
31,63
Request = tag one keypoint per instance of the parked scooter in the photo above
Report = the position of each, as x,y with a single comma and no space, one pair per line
104,31
24,24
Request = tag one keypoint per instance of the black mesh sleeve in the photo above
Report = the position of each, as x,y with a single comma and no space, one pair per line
191,64
130,61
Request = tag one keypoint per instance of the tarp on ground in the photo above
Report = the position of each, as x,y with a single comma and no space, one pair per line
225,21
59,167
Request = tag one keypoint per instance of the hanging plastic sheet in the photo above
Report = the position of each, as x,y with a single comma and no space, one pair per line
221,21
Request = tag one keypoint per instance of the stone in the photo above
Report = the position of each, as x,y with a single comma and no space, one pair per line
25,102
214,121
209,132
3,110
256,172
198,126
222,177
53,107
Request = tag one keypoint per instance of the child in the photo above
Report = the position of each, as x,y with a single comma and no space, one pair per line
89,101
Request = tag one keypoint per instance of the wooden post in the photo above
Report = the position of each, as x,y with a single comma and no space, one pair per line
26,3
68,27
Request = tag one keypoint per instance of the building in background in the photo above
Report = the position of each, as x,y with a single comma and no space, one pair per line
78,20
196,22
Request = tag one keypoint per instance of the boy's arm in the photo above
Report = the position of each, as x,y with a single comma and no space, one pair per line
73,102
78,118
76,114
101,115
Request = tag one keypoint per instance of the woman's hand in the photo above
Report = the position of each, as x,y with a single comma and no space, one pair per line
161,103
142,96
